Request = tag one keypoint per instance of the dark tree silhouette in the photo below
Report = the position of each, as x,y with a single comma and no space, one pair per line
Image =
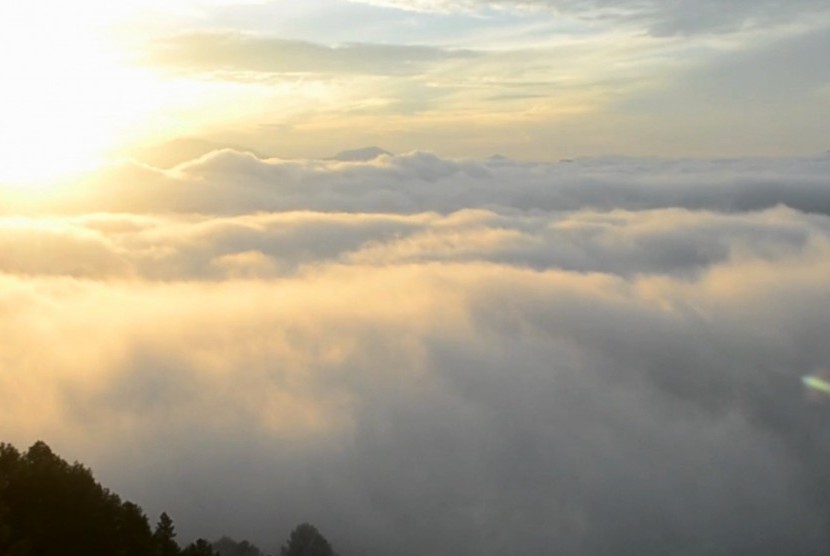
5,527
306,540
8,459
134,531
48,506
226,546
164,537
199,548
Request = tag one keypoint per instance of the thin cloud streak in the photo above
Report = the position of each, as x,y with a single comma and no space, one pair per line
687,17
241,53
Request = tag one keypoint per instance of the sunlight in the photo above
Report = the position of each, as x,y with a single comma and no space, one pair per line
68,99
73,99
61,104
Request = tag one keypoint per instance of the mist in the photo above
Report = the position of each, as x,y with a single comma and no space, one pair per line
441,356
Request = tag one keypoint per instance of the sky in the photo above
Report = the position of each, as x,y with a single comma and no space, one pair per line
565,304
90,80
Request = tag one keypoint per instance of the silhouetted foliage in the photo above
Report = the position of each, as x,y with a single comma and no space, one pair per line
164,537
306,540
199,548
226,546
135,531
8,458
48,506
5,527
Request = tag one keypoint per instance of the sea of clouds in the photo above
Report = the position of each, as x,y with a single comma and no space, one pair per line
432,356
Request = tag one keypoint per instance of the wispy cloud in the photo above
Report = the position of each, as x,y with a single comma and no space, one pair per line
234,52
685,17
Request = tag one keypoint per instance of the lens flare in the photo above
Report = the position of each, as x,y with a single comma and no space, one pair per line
816,384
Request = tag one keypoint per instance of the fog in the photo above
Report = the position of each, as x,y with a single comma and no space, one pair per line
437,356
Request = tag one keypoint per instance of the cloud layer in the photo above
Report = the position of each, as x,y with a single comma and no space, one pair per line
422,355
230,182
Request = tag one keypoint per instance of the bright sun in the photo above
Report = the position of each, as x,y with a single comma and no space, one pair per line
66,100
77,88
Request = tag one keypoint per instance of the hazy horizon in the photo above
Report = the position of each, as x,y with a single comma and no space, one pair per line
529,79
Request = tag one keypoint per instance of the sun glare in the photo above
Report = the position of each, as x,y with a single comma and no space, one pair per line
67,98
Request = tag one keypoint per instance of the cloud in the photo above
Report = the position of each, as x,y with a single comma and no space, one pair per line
237,52
660,18
765,89
755,84
782,70
229,182
423,355
548,85
458,400
676,242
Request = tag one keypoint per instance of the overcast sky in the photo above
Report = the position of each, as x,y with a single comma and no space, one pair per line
593,343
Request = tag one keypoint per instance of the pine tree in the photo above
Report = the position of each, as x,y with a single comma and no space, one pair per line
164,537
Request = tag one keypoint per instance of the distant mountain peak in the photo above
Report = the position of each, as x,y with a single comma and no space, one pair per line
360,155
